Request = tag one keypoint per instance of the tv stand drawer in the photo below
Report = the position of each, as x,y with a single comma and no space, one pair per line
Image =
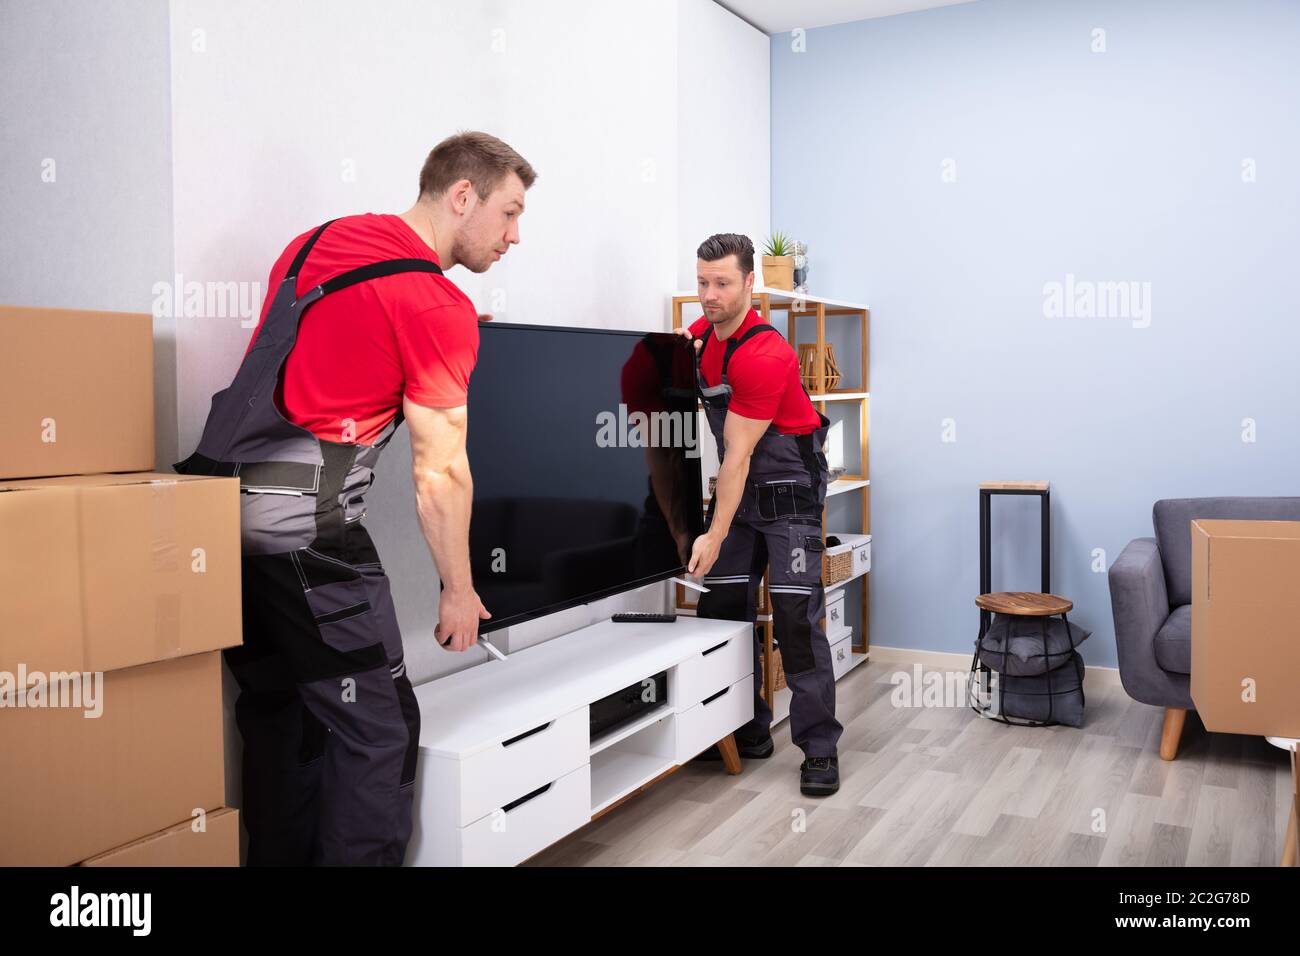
708,672
508,836
495,776
713,718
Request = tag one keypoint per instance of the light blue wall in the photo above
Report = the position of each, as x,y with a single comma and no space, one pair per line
1122,165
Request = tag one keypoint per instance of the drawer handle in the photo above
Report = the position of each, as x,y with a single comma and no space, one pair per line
526,733
718,648
709,700
526,797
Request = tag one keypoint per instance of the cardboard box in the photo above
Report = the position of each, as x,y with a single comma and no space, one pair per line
216,845
1246,626
77,394
102,572
76,786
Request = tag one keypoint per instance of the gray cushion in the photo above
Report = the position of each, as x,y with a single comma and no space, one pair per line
1052,698
1026,646
1173,517
1173,642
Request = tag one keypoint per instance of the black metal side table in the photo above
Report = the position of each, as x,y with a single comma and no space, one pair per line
987,490
1022,604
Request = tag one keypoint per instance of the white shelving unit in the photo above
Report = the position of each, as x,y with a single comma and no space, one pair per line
840,397
840,485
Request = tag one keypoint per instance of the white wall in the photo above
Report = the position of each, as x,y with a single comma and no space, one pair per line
723,130
273,103
724,151
234,106
85,166
193,139
265,129
575,86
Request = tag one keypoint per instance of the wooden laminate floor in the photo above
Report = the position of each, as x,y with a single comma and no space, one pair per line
939,786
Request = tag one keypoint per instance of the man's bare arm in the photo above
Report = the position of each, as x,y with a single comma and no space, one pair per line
444,495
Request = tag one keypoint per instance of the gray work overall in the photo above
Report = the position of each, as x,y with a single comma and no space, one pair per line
778,527
327,713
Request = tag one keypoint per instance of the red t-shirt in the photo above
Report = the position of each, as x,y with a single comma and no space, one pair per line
359,350
764,377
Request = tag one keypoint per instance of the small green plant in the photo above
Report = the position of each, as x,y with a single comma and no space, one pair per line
778,244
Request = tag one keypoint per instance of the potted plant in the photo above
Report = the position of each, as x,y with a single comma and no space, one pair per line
778,262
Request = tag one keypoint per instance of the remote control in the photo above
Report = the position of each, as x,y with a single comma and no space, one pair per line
642,617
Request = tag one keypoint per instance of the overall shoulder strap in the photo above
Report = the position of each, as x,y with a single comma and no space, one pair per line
376,270
734,344
373,270
696,355
301,258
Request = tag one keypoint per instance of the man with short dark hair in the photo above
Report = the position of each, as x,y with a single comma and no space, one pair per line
766,511
360,332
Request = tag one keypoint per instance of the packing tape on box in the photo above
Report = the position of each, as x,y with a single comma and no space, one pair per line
167,568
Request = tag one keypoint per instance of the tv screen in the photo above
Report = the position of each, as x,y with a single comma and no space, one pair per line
584,448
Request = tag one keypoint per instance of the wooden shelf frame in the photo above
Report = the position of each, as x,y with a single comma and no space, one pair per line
795,306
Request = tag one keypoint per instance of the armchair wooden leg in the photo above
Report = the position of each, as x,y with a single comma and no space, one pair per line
1289,847
730,755
1175,717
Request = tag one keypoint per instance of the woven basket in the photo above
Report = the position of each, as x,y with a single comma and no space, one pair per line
778,671
837,567
808,367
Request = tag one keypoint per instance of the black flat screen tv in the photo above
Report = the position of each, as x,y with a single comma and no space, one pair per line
584,450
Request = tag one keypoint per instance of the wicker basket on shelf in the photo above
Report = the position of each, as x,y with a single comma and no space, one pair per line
808,366
778,671
837,567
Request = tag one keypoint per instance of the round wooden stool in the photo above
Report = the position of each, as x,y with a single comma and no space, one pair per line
1015,604
1024,603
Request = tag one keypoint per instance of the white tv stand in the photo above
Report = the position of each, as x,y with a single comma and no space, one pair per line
507,765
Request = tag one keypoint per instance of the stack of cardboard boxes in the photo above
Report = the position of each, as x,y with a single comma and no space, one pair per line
120,587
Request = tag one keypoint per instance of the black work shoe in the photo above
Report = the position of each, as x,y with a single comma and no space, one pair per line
756,751
819,776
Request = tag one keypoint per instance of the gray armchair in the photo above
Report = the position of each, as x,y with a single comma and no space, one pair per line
1151,600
